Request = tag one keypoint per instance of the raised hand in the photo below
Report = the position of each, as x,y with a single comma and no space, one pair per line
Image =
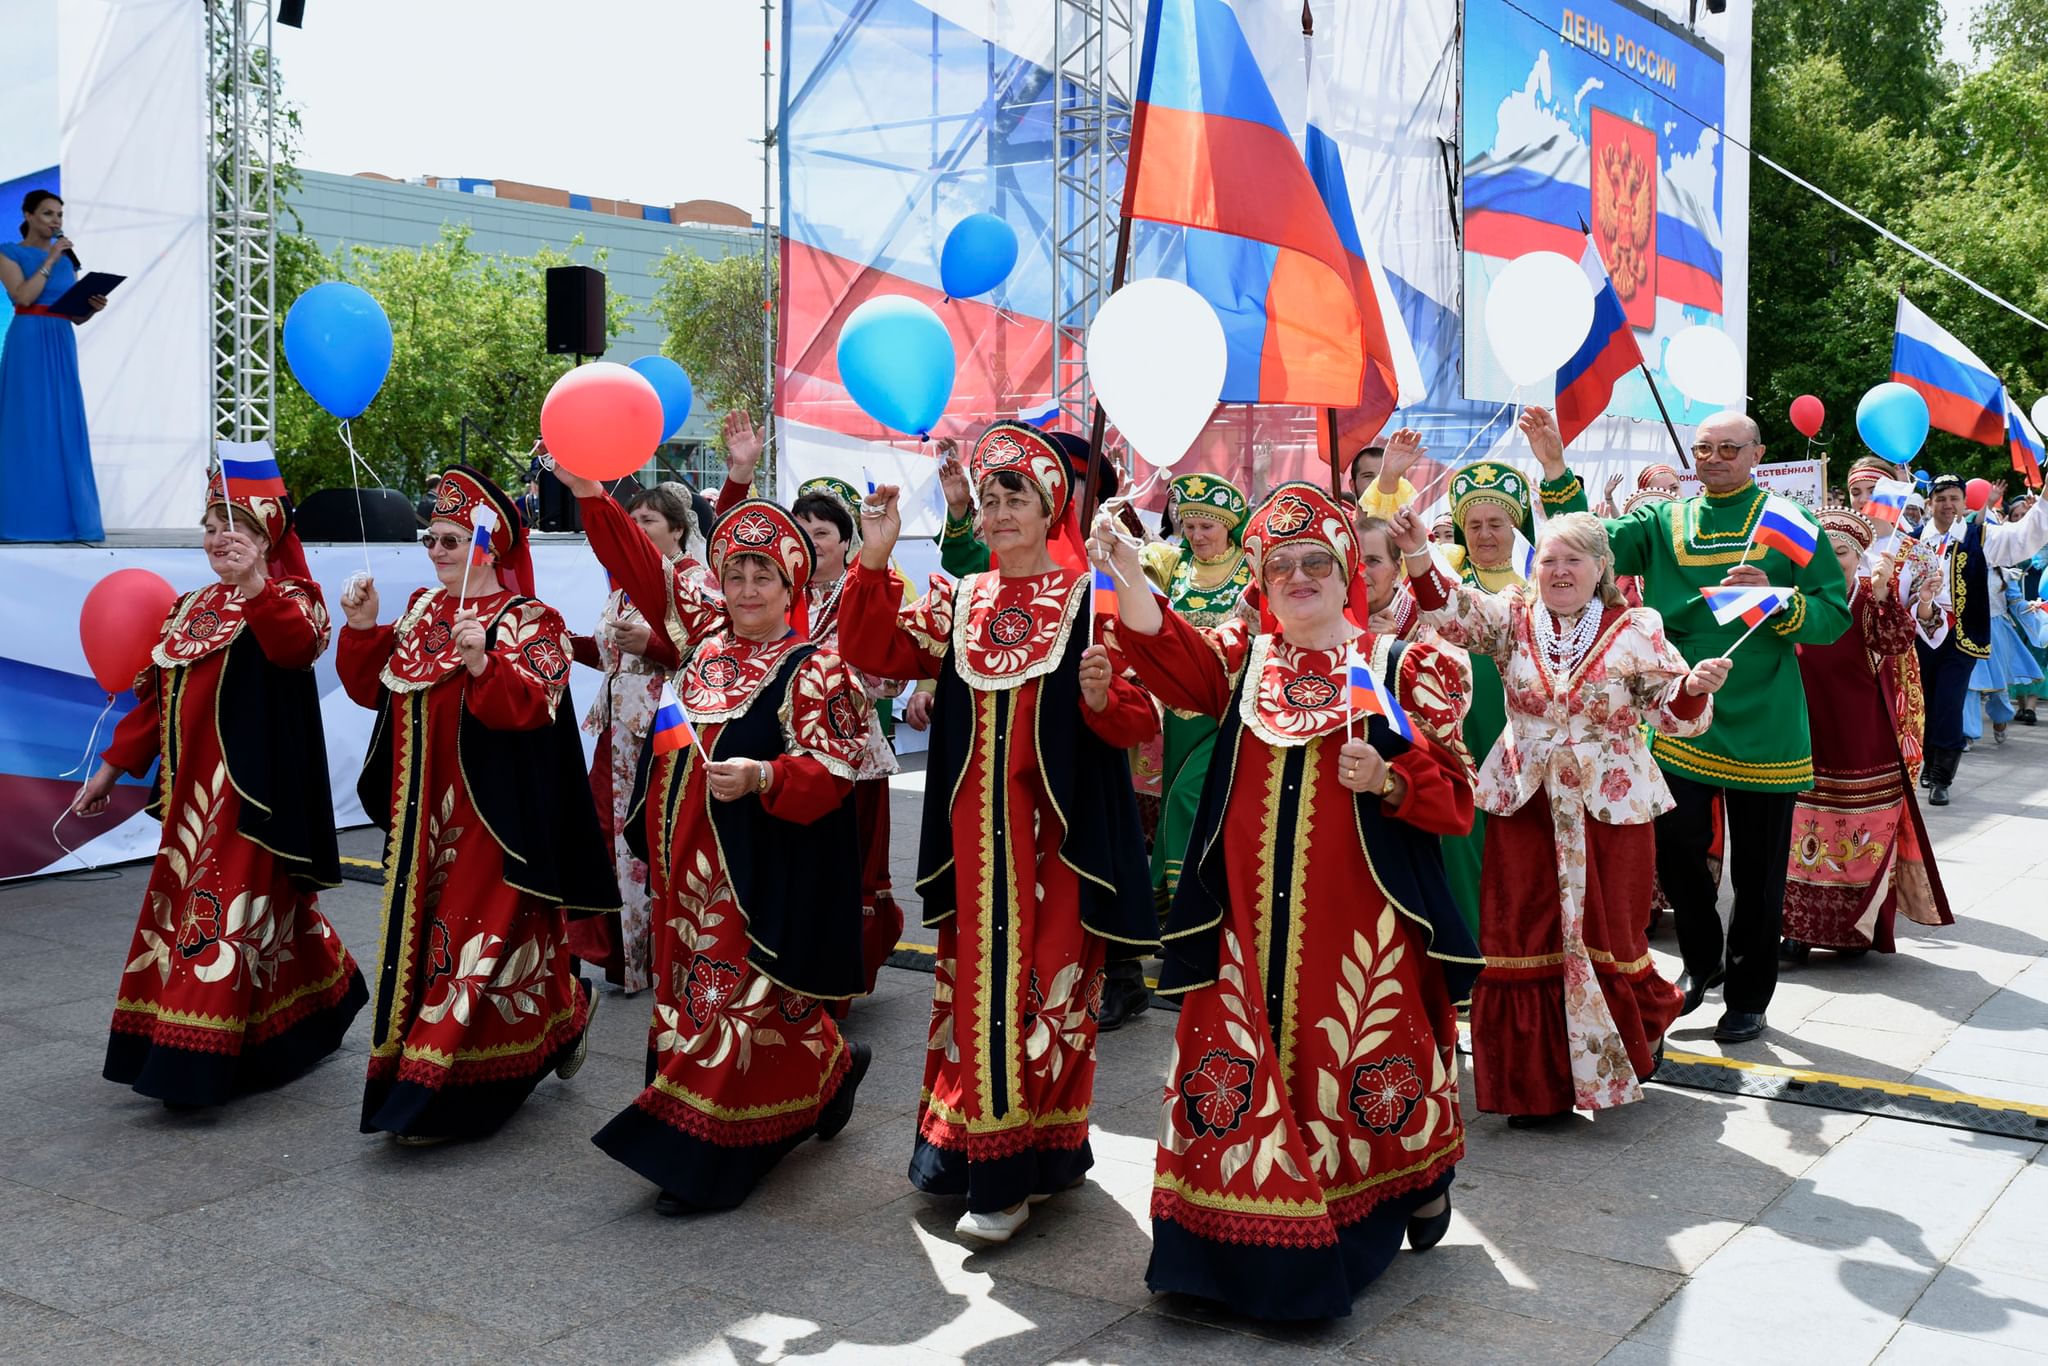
359,602
1404,448
1411,537
743,447
1539,429
241,566
881,522
953,481
469,641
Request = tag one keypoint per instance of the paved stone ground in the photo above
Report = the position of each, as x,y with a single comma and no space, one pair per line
1693,1227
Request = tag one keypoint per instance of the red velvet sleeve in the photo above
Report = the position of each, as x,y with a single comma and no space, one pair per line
731,495
583,649
651,582
359,659
1686,705
290,624
1183,665
135,740
803,790
1129,720
875,637
506,698
1439,795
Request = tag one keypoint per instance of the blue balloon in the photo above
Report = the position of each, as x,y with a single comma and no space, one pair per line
977,257
338,343
672,385
1922,480
896,360
1892,420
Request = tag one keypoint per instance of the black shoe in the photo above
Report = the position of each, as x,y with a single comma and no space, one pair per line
1538,1121
1122,997
1426,1231
1656,1061
839,1109
1937,794
670,1205
1696,988
1794,950
2025,716
1739,1026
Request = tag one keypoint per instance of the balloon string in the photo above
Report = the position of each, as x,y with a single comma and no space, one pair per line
92,741
58,840
1487,426
355,460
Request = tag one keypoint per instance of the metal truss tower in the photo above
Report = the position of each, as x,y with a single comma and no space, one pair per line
242,104
1093,79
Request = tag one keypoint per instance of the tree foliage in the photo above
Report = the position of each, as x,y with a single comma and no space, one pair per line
712,310
1853,96
467,341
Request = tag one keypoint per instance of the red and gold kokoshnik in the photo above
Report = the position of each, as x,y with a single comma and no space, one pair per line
759,527
1025,451
1301,514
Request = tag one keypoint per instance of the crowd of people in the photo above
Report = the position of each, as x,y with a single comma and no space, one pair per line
1346,771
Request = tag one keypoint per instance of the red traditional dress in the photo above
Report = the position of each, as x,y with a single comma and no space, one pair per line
1570,1009
1311,1103
1031,861
235,981
479,784
1860,852
756,900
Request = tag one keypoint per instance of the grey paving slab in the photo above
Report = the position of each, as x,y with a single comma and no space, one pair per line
1931,1199
1438,1331
1986,1306
1914,1345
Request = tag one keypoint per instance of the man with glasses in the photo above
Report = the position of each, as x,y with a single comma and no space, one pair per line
1757,756
1961,549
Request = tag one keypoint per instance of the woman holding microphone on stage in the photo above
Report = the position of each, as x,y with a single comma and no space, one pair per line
46,485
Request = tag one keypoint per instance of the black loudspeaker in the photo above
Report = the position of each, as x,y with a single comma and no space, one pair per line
338,515
292,13
575,311
558,510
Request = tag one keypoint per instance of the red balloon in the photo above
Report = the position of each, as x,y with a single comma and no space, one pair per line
601,421
120,622
1976,494
1808,413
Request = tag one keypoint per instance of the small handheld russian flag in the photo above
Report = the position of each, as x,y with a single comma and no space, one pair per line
1040,416
257,477
1783,526
1524,560
1369,696
1752,605
1888,500
1105,594
485,522
672,730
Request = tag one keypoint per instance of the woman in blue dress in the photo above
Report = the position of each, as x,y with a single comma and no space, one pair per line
46,485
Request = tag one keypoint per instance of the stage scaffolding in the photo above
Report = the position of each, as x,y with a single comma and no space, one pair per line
1094,53
241,155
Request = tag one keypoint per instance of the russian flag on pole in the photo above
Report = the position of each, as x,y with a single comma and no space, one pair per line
1524,557
1105,594
254,477
1585,383
1041,415
1963,396
1752,605
1784,528
672,730
2025,444
1369,696
1888,500
1382,391
485,521
1211,153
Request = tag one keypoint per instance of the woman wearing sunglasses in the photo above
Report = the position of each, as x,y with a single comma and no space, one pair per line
476,775
1311,1109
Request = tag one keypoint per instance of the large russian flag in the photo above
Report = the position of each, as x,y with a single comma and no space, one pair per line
1585,383
1210,152
2025,444
1963,396
1382,390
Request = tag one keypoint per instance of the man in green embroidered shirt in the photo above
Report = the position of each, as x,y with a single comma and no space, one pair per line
1757,755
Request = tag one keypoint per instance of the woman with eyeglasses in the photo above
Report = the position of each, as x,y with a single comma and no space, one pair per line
234,979
492,842
752,847
1570,1012
1031,861
1310,1117
623,648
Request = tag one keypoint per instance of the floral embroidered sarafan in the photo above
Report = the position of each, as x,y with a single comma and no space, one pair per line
529,637
211,618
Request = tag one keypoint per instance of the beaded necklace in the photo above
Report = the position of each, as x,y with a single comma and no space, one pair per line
1564,653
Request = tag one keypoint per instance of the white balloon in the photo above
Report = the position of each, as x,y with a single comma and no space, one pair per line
1538,312
1156,358
1704,363
2041,414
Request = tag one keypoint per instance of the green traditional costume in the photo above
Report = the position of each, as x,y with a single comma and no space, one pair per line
1206,593
1505,487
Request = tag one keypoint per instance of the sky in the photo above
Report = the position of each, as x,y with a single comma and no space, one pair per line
656,101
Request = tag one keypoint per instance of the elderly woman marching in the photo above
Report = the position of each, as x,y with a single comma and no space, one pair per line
477,777
235,981
619,718
1311,1109
1030,862
1569,1012
1860,852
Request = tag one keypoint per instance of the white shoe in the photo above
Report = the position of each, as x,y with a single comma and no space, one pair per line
997,1227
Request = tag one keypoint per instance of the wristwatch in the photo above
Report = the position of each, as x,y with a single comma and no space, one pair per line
761,783
1387,784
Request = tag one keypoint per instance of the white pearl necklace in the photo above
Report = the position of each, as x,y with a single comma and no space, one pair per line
1564,654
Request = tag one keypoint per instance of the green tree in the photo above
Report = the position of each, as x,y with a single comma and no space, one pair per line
712,311
467,331
2017,28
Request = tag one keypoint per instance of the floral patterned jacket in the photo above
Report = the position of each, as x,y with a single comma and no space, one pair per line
1583,733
